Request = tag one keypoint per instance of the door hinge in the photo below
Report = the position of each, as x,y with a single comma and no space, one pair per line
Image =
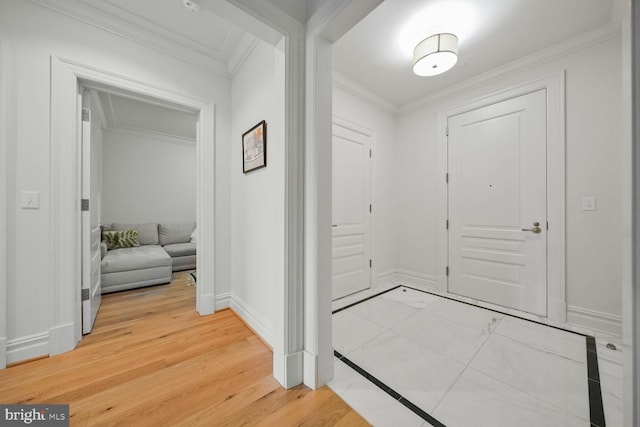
447,224
370,208
370,154
86,115
446,178
85,294
446,129
370,264
547,225
84,205
447,270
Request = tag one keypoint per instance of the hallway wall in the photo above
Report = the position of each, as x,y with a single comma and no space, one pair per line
257,197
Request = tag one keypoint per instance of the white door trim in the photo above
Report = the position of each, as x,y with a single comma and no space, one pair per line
556,261
65,194
371,134
3,204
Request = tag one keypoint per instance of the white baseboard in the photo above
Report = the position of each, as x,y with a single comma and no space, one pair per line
416,279
3,352
206,304
385,278
310,370
293,370
317,374
62,338
557,310
28,347
596,320
223,301
255,320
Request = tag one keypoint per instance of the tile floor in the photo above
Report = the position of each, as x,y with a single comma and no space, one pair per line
455,364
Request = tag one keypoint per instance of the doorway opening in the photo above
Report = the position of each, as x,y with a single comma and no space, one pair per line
138,185
67,77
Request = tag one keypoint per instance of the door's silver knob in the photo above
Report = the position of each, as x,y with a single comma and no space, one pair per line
536,228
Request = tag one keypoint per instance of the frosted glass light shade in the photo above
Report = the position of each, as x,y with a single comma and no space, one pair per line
435,54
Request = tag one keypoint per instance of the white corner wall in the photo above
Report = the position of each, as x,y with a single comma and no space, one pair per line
35,34
257,198
147,178
594,153
385,215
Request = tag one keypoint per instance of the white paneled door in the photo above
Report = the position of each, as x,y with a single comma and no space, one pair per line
91,284
498,203
351,199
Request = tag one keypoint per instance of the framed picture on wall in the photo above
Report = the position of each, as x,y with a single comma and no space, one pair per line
254,148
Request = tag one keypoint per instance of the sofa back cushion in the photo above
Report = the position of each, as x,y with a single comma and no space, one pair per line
175,233
147,233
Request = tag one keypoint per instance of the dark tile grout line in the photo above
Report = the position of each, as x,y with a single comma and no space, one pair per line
363,300
391,392
596,408
501,312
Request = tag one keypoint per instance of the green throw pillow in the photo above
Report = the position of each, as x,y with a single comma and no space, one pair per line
120,239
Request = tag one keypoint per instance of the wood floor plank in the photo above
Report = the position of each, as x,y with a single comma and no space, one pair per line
152,360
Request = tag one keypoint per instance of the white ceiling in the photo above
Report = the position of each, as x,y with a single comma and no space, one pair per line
203,38
492,33
201,31
122,111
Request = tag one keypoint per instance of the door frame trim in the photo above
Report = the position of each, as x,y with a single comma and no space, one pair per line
65,327
556,242
371,134
3,202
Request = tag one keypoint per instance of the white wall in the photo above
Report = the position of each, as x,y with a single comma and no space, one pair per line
148,178
383,181
257,198
34,34
594,151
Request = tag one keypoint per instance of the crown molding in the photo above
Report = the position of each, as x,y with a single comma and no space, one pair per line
241,53
161,40
551,53
352,88
113,10
144,133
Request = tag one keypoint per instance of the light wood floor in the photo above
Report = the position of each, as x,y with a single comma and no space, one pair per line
152,360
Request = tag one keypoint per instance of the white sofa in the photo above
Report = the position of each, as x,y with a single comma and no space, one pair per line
163,249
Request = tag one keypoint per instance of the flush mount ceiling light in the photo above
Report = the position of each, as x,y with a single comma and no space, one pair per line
435,55
192,6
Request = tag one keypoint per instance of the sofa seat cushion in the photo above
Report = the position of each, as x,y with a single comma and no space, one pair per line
140,257
181,249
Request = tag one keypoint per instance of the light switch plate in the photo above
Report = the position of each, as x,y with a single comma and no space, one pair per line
30,200
589,203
